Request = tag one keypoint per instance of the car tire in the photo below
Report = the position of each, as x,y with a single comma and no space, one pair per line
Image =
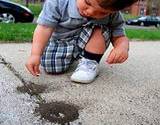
142,24
7,18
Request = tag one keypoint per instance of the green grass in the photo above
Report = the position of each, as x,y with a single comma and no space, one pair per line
143,34
35,8
128,16
23,32
16,32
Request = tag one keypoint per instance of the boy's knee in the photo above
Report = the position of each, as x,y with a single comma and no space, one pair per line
55,70
97,33
54,66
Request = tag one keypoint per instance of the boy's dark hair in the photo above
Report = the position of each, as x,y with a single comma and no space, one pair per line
116,5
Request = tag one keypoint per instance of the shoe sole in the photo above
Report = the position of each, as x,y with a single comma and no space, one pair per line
83,81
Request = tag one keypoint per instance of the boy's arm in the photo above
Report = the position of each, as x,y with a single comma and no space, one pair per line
47,20
40,38
119,53
116,24
120,42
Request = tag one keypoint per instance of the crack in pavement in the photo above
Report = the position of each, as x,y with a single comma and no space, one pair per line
11,68
54,112
25,82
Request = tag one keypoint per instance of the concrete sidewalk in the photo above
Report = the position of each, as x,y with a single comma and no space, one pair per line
123,94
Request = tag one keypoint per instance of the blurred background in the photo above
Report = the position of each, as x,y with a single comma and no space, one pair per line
18,20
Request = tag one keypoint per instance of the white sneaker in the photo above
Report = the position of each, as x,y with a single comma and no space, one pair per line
86,71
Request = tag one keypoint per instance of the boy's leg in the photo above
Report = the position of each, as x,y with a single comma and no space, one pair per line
87,69
95,47
96,43
57,56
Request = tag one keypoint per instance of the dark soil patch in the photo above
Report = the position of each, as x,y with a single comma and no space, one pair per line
32,89
58,112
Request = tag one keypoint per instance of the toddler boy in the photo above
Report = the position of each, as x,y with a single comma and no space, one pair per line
73,29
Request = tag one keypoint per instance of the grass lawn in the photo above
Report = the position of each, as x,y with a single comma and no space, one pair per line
35,8
144,34
16,32
23,32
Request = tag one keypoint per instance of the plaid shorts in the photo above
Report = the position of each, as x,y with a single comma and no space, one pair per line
60,54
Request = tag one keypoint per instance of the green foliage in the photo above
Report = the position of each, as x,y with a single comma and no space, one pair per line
23,32
128,16
143,34
16,32
35,8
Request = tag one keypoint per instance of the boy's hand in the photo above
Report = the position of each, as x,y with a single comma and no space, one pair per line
33,65
119,53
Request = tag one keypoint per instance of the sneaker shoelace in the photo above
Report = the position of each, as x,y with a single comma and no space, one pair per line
87,65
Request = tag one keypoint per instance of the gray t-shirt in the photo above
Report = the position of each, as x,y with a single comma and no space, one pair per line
63,15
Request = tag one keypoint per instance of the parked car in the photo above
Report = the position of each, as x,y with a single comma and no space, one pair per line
11,12
145,21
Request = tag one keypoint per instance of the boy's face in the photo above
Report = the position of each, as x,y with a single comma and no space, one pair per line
91,8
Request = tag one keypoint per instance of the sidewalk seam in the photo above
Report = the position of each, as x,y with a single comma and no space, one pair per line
15,73
11,68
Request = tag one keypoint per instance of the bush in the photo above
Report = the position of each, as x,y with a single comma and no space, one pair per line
128,16
35,8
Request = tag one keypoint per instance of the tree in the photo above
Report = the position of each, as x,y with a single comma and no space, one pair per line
153,7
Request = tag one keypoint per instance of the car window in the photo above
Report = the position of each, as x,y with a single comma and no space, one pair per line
158,18
154,18
149,19
142,18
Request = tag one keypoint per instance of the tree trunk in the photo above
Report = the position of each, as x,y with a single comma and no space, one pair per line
27,3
